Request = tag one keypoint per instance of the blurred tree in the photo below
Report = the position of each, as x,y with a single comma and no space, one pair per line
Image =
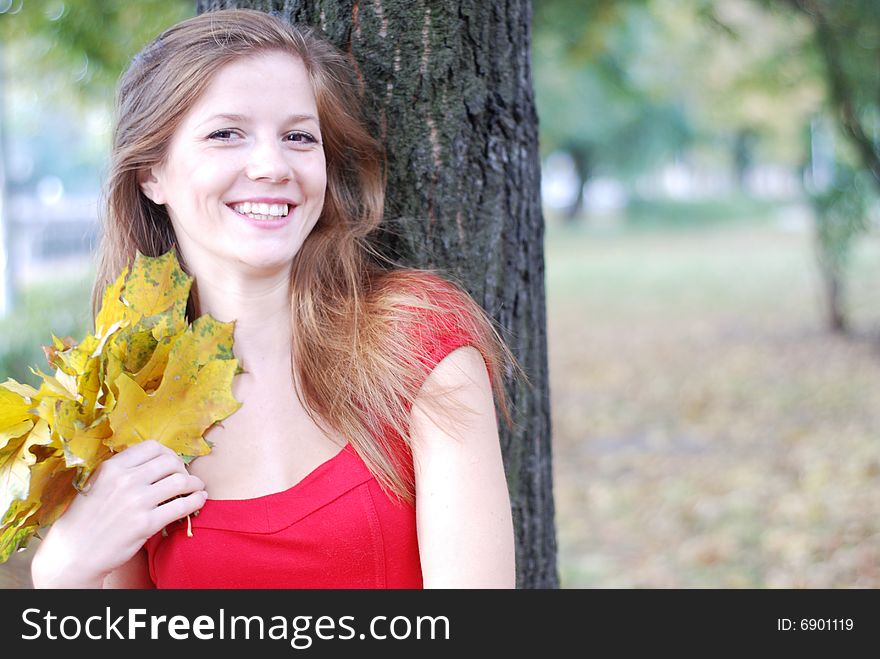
74,51
739,71
633,82
627,85
847,35
842,211
844,46
85,44
591,102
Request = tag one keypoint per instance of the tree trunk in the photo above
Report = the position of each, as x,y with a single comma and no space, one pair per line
832,272
448,87
834,292
743,155
583,168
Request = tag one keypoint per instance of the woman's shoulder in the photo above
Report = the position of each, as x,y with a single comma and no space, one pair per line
427,301
423,285
434,310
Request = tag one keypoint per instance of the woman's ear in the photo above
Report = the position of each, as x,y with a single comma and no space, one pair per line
151,186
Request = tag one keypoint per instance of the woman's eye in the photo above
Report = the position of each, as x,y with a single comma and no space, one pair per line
299,137
222,134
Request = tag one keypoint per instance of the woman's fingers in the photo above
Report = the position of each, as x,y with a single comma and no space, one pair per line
143,464
175,509
139,453
174,485
161,466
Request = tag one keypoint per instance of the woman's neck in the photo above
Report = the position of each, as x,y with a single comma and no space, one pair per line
260,308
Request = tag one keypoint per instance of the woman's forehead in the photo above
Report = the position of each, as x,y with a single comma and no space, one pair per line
256,81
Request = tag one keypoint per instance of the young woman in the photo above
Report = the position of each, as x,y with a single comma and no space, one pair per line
365,453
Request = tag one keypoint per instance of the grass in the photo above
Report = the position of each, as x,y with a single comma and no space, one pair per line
708,431
669,215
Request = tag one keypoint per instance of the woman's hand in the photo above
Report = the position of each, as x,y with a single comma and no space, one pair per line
128,499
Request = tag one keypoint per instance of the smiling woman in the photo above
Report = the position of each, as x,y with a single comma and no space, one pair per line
365,453
245,187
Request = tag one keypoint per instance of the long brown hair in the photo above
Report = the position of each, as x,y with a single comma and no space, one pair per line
359,341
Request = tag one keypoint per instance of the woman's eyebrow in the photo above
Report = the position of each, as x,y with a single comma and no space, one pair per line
303,117
235,118
238,118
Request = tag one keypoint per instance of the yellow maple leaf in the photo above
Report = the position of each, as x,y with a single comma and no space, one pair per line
23,390
16,460
207,340
51,490
133,347
151,374
88,448
113,309
157,285
194,393
14,407
178,413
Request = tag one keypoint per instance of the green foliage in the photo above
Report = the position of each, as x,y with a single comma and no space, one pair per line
60,62
845,38
634,83
90,42
590,100
61,307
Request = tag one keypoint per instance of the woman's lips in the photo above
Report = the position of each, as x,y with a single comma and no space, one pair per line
263,214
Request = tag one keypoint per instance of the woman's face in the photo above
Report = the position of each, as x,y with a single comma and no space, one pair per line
245,175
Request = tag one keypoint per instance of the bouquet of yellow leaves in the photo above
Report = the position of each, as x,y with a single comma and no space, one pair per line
145,373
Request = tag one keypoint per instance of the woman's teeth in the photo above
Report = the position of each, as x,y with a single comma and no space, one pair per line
260,211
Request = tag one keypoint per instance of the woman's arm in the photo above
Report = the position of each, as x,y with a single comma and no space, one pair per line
465,527
133,574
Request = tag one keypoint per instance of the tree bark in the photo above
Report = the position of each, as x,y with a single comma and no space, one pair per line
449,91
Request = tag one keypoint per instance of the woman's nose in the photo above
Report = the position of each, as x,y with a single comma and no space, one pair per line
267,161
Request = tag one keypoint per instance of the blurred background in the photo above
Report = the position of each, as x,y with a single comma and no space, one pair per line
711,171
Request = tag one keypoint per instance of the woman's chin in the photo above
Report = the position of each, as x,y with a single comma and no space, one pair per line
266,265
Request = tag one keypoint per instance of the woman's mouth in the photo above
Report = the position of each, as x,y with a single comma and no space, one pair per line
261,211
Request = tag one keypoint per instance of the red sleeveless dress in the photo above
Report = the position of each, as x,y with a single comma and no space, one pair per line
336,528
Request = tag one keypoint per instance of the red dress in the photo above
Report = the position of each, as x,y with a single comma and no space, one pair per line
336,528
